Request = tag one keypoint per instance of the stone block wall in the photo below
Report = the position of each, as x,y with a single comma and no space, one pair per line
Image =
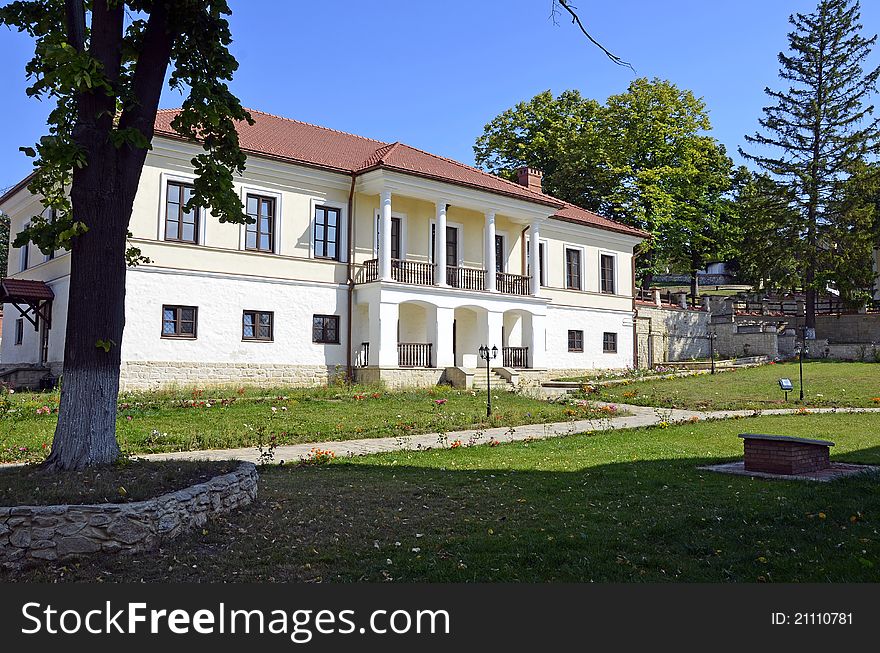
863,352
151,375
30,534
671,334
849,328
398,378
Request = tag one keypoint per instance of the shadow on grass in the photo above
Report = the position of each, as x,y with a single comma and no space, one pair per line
659,520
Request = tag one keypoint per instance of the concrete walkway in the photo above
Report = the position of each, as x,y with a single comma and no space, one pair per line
641,416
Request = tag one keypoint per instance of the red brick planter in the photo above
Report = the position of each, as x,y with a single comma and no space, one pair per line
780,454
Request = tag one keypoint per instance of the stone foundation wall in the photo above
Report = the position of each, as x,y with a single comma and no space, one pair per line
397,378
532,378
30,534
849,327
864,351
151,375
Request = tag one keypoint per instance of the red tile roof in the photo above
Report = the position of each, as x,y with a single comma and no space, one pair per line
300,142
24,289
572,213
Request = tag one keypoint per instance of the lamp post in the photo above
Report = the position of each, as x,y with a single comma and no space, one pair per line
487,355
712,349
801,358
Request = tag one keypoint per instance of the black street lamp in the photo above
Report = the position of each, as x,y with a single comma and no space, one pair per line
487,355
712,349
801,358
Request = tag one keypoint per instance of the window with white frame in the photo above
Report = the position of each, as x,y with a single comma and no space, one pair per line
573,268
260,234
181,225
606,274
327,224
500,254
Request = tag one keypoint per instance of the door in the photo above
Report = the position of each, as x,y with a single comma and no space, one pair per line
395,237
451,246
499,253
44,339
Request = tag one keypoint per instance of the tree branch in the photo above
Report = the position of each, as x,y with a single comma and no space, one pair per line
572,10
149,75
75,20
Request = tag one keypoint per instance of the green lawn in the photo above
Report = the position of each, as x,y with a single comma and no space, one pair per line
216,419
826,384
615,506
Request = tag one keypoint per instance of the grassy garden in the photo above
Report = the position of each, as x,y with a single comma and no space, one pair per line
613,506
229,418
826,384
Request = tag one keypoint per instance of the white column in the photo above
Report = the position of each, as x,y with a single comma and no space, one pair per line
537,342
490,251
442,338
385,236
440,246
535,257
383,334
490,328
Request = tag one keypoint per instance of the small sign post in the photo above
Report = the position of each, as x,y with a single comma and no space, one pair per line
786,386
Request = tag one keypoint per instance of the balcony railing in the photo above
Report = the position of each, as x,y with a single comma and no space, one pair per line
515,356
512,284
466,278
370,271
421,274
414,354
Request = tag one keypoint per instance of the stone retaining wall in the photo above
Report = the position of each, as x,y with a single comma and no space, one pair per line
30,534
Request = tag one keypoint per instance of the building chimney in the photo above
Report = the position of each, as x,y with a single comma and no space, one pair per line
530,178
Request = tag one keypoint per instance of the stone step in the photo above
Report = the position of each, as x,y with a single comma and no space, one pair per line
496,382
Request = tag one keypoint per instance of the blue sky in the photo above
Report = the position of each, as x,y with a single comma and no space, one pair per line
432,74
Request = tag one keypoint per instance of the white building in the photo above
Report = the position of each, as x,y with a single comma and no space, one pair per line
366,256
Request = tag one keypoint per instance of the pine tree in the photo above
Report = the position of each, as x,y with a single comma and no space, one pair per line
819,129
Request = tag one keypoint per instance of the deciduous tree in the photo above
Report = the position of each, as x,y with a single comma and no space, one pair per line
103,65
702,227
766,226
643,158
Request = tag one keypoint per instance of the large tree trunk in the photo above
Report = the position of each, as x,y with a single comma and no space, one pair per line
810,271
86,430
810,304
102,195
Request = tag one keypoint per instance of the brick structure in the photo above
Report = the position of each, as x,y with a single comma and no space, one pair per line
779,454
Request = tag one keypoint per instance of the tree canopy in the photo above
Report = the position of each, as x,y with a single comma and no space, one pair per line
645,158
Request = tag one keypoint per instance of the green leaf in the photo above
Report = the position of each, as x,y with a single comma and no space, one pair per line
106,345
